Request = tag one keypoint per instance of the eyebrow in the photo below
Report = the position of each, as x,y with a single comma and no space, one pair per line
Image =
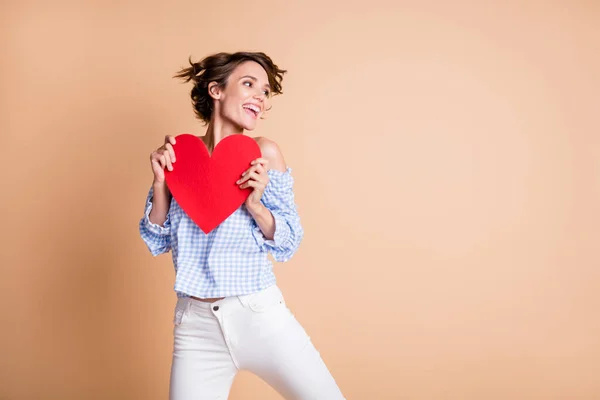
254,79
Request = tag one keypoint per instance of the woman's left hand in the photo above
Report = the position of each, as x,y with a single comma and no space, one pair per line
256,177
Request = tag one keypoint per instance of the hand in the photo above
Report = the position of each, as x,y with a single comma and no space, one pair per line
163,157
256,177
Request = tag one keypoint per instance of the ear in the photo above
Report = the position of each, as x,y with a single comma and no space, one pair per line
214,90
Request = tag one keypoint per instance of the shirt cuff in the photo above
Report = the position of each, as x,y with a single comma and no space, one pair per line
152,227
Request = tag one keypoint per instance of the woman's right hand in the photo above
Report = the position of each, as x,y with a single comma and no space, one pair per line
163,157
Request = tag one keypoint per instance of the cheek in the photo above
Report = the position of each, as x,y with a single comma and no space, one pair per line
232,105
235,100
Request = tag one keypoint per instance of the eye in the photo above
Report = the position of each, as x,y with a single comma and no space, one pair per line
267,92
249,84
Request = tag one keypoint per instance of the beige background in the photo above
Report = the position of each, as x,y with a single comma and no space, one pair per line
447,173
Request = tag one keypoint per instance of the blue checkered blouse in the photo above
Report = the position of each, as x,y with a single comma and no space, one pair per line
232,259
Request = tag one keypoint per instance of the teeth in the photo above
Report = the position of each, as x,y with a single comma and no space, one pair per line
252,107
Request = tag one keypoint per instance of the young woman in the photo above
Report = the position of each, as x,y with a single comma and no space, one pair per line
230,315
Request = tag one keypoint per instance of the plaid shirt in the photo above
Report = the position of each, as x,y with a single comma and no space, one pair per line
232,259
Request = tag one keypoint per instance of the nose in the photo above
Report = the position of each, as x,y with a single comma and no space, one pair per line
260,95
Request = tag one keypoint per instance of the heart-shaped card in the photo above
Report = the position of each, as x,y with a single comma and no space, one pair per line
204,185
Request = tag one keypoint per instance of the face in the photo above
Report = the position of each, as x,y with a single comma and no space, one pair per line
245,97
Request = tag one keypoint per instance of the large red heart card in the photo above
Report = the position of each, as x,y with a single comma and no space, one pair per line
204,185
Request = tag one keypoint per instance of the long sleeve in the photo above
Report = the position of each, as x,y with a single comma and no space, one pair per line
279,199
156,237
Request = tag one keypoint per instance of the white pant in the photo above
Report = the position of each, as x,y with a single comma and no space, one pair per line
255,332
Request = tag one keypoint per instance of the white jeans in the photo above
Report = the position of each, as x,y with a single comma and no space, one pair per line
255,332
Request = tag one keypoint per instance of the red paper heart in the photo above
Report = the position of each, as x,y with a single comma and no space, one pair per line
204,185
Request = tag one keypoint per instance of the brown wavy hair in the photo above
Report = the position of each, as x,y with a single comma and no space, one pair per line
217,68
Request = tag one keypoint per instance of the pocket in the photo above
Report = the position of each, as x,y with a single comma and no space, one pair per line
264,300
181,310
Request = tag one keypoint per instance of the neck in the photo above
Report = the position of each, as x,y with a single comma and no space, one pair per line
218,130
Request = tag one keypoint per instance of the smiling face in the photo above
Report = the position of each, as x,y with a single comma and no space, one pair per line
244,98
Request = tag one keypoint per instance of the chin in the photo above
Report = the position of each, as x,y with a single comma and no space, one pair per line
248,125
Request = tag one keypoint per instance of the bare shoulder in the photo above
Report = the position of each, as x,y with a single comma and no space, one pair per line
271,151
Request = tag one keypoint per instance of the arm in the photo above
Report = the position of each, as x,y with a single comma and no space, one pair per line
261,214
155,226
265,220
160,203
278,227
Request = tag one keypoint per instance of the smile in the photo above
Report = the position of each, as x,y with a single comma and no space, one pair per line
252,109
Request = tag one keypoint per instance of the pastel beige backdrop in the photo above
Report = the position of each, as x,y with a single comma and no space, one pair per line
447,173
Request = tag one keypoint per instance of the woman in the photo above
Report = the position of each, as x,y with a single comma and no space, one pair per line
230,315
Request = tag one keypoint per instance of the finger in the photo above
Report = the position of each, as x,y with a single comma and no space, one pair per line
171,150
249,170
155,155
254,184
252,175
168,160
261,160
243,179
156,168
257,185
257,167
170,139
163,160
